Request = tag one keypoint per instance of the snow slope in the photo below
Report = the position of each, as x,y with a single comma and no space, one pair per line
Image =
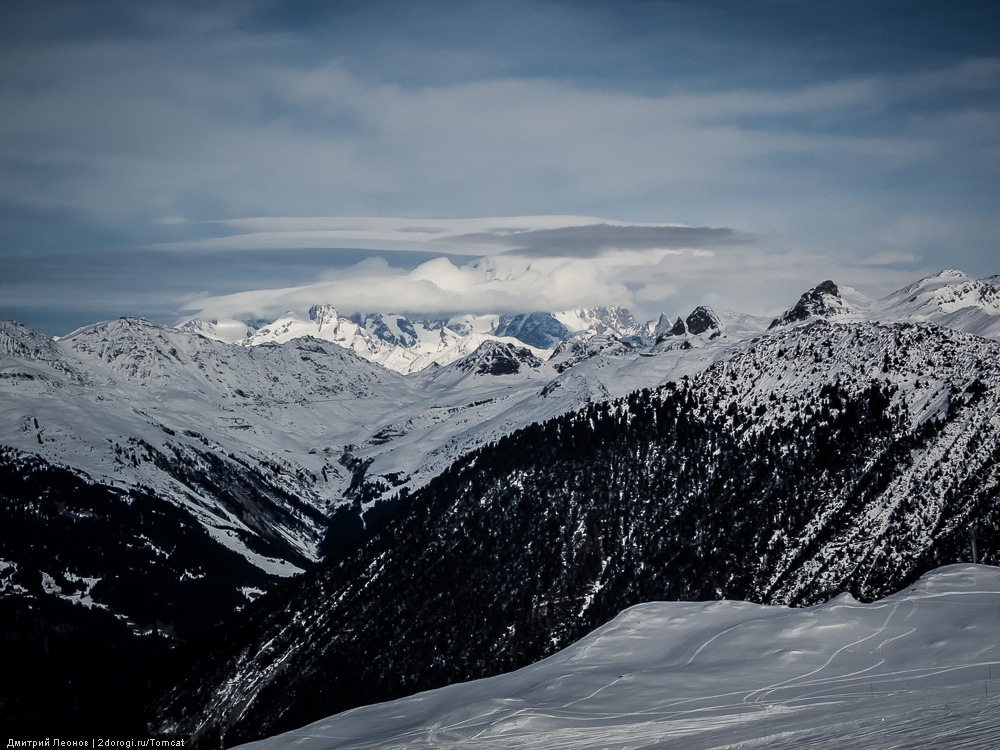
914,670
129,403
950,298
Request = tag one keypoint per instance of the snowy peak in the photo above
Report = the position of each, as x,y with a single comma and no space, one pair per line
290,326
360,336
577,350
951,299
17,340
701,320
538,329
225,329
395,330
26,354
496,358
945,292
601,321
323,315
662,327
134,347
823,301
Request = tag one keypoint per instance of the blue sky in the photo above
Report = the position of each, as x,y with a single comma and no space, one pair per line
240,159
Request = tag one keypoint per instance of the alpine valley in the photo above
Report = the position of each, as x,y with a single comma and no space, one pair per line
326,511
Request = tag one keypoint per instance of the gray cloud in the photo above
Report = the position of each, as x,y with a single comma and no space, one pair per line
596,239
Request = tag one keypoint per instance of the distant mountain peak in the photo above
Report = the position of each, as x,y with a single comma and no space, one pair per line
699,321
498,358
392,328
601,320
538,329
323,315
824,300
950,298
703,319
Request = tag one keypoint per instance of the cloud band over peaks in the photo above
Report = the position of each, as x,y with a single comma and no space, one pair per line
512,264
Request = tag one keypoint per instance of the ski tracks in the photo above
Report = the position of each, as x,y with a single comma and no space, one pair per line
760,695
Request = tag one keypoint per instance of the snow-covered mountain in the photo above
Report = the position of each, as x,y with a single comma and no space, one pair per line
817,458
392,341
951,299
127,403
915,669
409,345
257,459
823,301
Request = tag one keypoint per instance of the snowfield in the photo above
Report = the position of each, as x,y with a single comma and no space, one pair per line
914,670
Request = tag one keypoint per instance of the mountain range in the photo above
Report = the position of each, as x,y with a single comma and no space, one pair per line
408,345
541,472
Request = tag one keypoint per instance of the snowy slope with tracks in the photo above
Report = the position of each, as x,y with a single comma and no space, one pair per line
912,670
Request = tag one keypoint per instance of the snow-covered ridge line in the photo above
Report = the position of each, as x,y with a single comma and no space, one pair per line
409,344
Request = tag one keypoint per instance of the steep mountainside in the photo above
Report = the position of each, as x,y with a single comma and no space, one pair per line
95,583
817,459
253,461
153,483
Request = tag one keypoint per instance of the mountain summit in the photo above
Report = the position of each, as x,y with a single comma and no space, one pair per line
822,301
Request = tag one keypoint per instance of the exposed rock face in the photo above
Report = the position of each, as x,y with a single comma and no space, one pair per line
538,329
323,314
824,301
392,329
699,321
703,319
495,358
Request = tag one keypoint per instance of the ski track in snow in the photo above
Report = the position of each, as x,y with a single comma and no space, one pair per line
911,671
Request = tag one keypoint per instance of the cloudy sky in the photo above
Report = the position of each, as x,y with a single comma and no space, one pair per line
243,158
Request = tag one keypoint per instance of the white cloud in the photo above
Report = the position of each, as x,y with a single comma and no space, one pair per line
649,280
499,284
384,234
